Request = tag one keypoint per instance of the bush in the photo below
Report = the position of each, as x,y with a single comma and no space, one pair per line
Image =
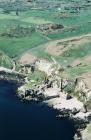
18,31
6,11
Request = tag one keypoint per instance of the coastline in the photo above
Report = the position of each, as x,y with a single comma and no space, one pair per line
51,93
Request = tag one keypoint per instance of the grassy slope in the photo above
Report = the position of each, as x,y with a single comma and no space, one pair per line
13,47
5,60
81,24
16,46
78,30
75,52
80,53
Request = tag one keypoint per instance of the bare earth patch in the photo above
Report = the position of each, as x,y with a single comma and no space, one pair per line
76,62
59,47
27,59
82,62
81,41
87,59
87,79
54,50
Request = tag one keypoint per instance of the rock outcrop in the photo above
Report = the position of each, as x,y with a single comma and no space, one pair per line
10,75
50,28
52,92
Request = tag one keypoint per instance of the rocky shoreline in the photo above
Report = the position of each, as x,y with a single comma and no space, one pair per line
67,106
57,92
53,91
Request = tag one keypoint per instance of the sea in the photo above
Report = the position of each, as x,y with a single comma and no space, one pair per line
30,121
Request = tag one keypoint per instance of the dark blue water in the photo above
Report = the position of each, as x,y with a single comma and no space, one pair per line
19,121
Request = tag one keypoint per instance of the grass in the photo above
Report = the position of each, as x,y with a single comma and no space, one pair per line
6,24
77,71
38,77
68,32
74,52
89,128
40,52
35,20
78,51
5,60
75,25
54,16
14,47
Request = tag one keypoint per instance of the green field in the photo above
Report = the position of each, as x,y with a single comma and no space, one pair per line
14,47
76,23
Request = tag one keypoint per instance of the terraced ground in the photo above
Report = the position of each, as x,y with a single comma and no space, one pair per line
70,46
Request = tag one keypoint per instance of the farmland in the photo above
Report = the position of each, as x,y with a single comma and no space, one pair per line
33,27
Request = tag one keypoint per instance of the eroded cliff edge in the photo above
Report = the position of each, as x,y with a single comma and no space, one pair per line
70,97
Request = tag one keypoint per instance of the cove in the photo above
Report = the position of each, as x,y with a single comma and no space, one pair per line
32,121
